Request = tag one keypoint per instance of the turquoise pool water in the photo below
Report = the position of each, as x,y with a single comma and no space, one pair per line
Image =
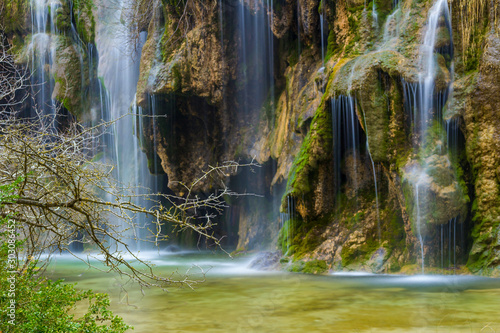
235,298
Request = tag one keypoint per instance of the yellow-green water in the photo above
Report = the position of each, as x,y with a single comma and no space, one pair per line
237,299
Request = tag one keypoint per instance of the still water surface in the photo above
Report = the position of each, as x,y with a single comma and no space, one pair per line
235,298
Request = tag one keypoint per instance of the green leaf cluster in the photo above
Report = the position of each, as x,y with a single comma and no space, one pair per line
41,304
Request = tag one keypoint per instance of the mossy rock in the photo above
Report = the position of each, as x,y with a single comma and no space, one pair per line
317,147
67,74
309,267
84,19
14,17
63,17
441,195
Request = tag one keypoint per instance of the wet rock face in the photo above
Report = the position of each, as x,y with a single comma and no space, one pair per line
440,197
267,261
204,67
283,18
292,125
374,79
358,174
309,19
191,63
15,19
68,86
482,126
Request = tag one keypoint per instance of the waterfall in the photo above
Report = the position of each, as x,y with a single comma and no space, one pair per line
270,48
256,56
321,21
442,246
43,52
120,73
391,26
419,226
428,61
298,28
291,223
374,15
453,137
424,105
255,99
374,179
346,136
449,242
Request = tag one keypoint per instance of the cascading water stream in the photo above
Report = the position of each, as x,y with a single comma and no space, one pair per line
374,15
346,136
426,104
291,223
42,53
374,179
419,226
347,105
255,92
322,31
298,27
391,26
270,48
442,246
120,73
455,242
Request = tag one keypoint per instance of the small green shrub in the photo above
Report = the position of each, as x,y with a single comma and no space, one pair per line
41,305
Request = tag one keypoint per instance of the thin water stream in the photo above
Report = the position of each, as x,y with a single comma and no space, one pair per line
235,298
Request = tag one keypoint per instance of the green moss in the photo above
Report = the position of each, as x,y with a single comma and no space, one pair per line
354,19
268,109
315,267
353,220
434,134
393,231
316,146
63,17
84,19
361,253
297,267
355,9
18,43
384,8
474,27
176,7
177,78
292,49
460,175
309,267
284,261
332,47
288,234
375,103
299,238
12,17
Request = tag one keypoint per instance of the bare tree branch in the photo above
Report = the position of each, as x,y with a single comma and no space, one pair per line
65,195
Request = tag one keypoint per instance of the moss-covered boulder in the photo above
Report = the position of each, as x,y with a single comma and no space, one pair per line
433,192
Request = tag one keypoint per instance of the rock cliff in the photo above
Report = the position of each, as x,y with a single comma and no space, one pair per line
358,170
